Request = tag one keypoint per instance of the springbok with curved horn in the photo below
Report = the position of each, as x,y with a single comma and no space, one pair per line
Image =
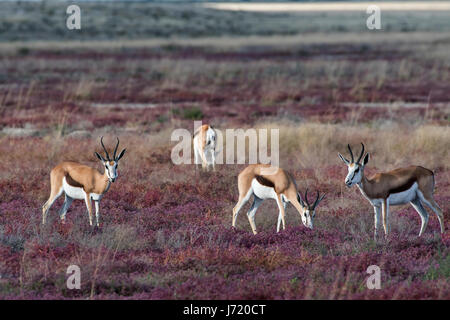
81,182
266,182
412,184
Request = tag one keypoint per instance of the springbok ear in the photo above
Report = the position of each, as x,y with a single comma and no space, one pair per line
366,159
99,157
343,159
121,154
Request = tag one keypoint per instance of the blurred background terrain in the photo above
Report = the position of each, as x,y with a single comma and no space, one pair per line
139,70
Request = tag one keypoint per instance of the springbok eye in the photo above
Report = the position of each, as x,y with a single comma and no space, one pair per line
357,169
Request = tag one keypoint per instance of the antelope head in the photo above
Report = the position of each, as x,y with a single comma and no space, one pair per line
110,164
309,211
355,168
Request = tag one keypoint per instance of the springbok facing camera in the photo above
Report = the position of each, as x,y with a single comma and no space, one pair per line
78,181
412,184
205,146
266,182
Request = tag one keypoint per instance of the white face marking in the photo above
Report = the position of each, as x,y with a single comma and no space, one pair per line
308,217
210,139
111,170
354,174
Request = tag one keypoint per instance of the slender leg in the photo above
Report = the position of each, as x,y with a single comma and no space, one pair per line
422,212
197,158
281,210
213,157
429,201
279,216
377,216
97,212
201,155
242,201
62,213
51,200
87,199
236,209
385,216
251,213
291,195
207,159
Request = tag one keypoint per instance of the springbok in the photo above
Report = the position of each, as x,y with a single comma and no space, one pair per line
266,182
205,146
412,184
78,181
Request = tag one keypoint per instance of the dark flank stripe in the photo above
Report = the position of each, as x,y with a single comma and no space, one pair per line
264,181
72,182
404,186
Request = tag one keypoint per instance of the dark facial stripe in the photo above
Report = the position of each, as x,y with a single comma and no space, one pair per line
353,176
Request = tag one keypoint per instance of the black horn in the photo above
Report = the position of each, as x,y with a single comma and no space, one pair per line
299,198
315,202
306,197
351,153
115,149
318,199
362,153
106,152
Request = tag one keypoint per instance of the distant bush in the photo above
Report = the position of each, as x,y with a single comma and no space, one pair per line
23,51
193,113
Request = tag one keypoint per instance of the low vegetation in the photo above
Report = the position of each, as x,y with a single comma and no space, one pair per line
166,229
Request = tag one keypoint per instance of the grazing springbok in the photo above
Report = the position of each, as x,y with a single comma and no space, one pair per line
81,182
412,184
266,182
205,146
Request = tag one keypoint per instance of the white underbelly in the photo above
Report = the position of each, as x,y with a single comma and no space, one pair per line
395,198
78,193
262,191
403,197
73,192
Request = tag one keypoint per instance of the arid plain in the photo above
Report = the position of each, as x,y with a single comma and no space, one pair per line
166,229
